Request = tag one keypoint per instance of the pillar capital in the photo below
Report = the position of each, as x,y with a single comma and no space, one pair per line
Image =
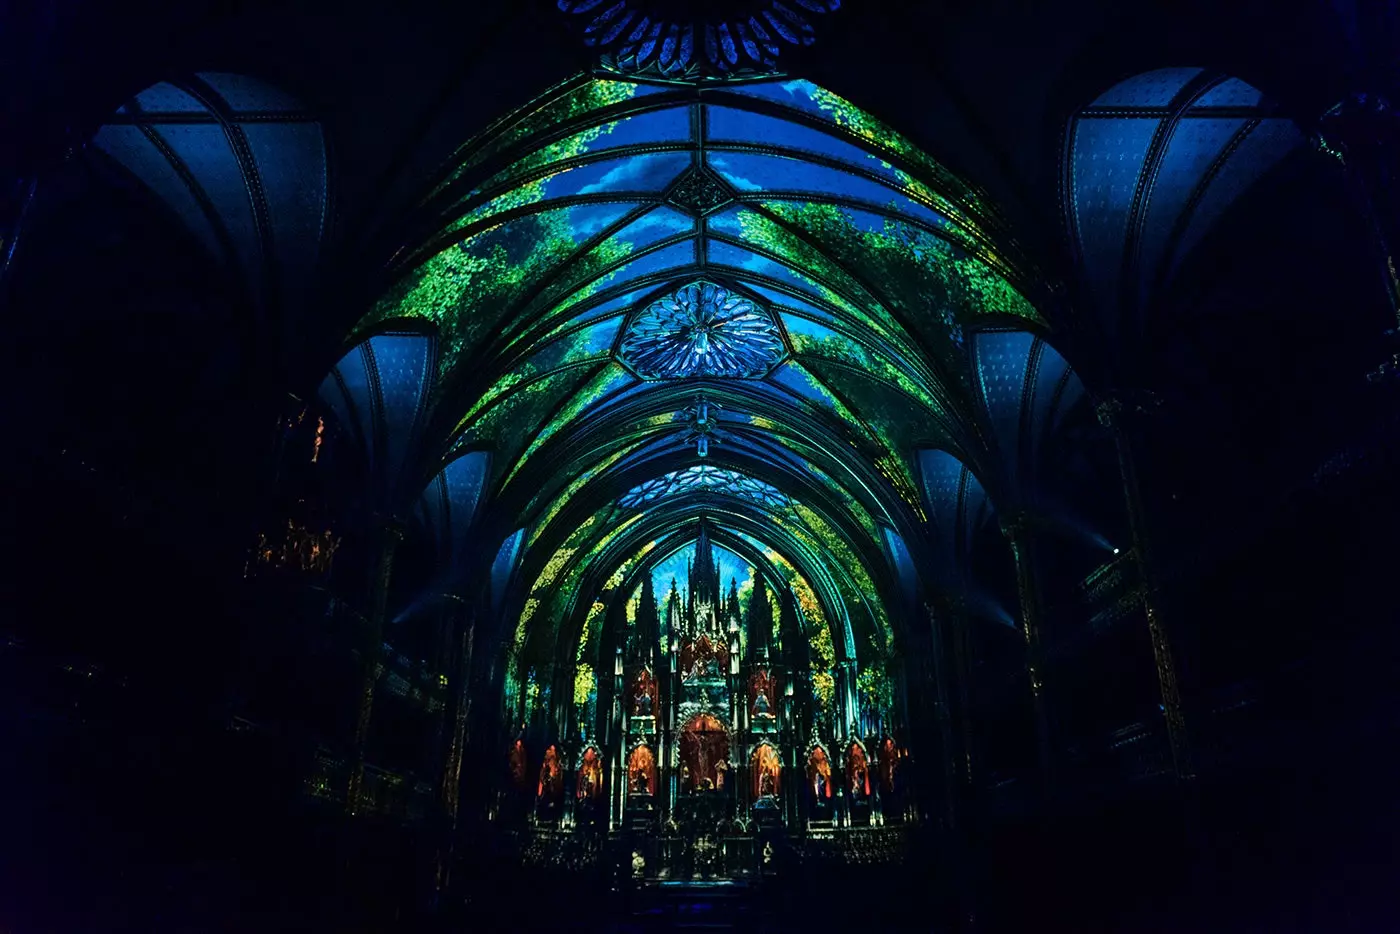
1360,122
1016,523
390,526
1362,133
1118,408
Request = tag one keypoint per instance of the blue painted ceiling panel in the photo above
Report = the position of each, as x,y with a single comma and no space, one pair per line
204,150
1108,157
164,98
1264,148
352,406
405,367
463,480
503,567
129,146
249,95
1195,144
1231,92
291,161
903,565
1002,358
1150,89
1052,396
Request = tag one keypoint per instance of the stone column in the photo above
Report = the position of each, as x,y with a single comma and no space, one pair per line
458,705
1117,414
1362,133
15,204
1016,527
947,742
391,533
566,812
961,651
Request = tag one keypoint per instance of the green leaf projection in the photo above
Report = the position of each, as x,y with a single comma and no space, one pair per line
660,305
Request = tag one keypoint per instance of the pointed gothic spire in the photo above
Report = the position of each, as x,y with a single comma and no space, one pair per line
705,574
648,614
760,621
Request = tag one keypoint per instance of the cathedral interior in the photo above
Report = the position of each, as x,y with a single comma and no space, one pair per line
773,465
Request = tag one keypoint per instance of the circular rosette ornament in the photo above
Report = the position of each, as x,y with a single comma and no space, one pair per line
696,38
702,329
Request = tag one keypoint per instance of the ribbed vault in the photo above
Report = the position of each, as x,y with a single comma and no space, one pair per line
629,280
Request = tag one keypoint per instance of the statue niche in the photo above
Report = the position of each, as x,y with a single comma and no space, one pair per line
819,781
641,771
704,658
645,697
516,764
857,772
590,776
763,691
704,754
766,770
551,784
889,763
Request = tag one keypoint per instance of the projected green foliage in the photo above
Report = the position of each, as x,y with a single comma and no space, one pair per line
876,691
560,106
550,235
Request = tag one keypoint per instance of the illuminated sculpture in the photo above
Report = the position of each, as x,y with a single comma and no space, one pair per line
819,774
766,770
590,775
551,784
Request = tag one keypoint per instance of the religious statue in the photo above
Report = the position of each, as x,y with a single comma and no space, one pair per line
639,864
721,767
685,777
858,781
643,702
765,785
760,706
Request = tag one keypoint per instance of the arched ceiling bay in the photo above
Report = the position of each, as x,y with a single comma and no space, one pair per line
747,300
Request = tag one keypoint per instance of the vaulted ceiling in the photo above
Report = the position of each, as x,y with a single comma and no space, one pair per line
542,295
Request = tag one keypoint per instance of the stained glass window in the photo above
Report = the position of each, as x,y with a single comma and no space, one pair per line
733,38
704,478
702,329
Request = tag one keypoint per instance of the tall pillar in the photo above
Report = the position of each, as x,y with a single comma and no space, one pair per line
455,712
1116,414
1362,133
391,533
1017,529
15,203
455,708
962,665
943,721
